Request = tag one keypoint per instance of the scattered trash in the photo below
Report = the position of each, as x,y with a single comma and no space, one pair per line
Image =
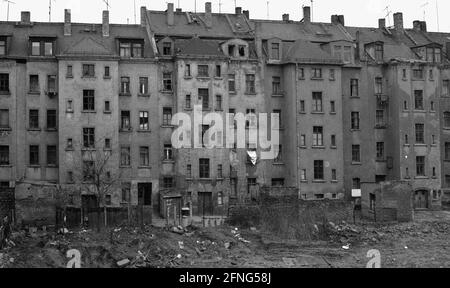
346,247
123,263
227,245
253,229
117,230
181,245
406,247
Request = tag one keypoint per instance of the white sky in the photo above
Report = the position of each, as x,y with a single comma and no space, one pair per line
357,12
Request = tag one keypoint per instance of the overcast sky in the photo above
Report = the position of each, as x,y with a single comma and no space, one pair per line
357,12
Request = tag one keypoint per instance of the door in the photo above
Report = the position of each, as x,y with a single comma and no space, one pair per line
421,199
205,204
145,194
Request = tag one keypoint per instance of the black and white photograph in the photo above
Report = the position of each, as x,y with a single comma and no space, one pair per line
224,135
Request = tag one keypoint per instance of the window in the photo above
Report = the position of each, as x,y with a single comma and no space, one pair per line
379,51
420,165
125,85
2,46
241,50
302,106
433,140
188,102
4,82
144,156
69,143
203,94
356,154
231,49
48,48
372,202
187,71
332,107
219,171
107,106
447,151
405,105
203,71
301,73
303,175
250,84
34,155
4,155
355,120
51,84
4,118
168,152
69,106
316,73
204,168
418,99
420,133
167,48
125,152
303,140
107,144
431,106
278,153
231,82
34,84
125,120
276,51
380,151
354,88
434,55
219,102
35,48
168,182
333,141
88,100
347,54
406,139
378,85
277,182
107,72
317,136
446,119
379,117
431,74
51,119
133,49
189,171
88,70
356,183
445,87
332,74
34,119
143,85
251,116
418,73
317,102
52,155
143,121
404,74
167,81
447,181
218,71
219,198
276,85
318,170
42,47
333,175
89,137
167,116
204,141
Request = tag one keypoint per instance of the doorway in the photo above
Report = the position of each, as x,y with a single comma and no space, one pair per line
421,199
145,194
205,204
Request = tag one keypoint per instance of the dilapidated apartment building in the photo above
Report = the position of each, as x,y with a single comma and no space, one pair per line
355,105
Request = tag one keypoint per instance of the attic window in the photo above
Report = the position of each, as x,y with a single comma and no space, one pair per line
276,51
434,55
167,48
231,50
242,50
131,48
379,52
2,45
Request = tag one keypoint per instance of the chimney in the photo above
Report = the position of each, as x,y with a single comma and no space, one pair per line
170,16
398,21
334,19
246,13
67,23
286,17
307,14
423,26
382,23
105,24
238,10
179,10
143,16
416,25
25,17
341,20
208,15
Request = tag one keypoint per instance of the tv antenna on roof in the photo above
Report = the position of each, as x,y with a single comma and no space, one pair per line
312,10
424,9
135,12
7,13
107,4
437,15
220,6
267,10
388,13
50,10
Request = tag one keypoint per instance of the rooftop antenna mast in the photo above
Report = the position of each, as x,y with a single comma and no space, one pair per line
437,15
107,4
50,10
424,9
267,10
135,12
388,13
195,6
312,10
220,6
7,13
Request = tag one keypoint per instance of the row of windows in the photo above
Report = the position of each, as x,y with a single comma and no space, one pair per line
34,158
317,104
316,73
318,173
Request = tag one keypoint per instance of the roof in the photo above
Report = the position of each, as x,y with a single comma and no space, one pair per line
304,51
197,46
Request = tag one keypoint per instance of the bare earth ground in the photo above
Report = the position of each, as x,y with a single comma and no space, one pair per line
423,243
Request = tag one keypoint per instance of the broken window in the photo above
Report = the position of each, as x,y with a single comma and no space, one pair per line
418,100
4,82
204,168
168,152
88,100
34,155
241,50
420,133
34,83
167,81
34,119
167,116
318,170
89,137
231,50
167,48
125,120
277,182
420,165
203,94
250,84
203,71
276,51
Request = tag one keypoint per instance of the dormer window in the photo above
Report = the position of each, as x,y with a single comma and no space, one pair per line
276,51
167,48
131,48
42,47
241,50
434,55
231,50
2,45
379,52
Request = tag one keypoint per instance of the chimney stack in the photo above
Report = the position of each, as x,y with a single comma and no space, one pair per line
398,21
286,17
238,10
143,16
25,17
382,23
246,13
105,24
416,25
170,16
423,26
307,14
179,10
341,20
208,14
67,23
337,19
